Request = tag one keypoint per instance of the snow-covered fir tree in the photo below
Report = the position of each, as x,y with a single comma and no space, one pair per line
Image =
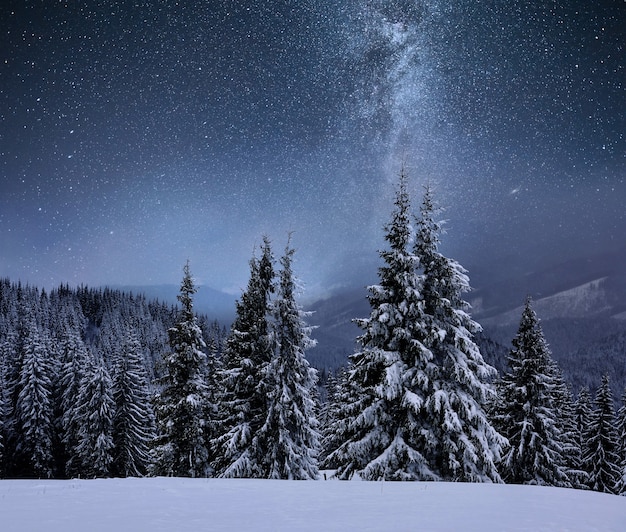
5,400
527,412
133,423
75,361
583,413
621,445
289,437
462,444
183,405
420,385
568,428
34,409
95,409
329,414
602,445
378,431
243,376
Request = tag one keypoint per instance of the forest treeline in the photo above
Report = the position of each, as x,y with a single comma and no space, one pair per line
100,383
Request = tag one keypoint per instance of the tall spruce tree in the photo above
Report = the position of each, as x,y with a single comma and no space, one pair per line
75,361
527,411
621,445
183,406
4,408
462,445
95,410
133,423
602,445
34,409
289,437
568,428
248,352
583,412
343,405
382,430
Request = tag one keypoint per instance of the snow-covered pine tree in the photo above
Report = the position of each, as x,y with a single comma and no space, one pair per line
527,410
75,361
34,409
4,407
328,412
289,437
602,445
133,424
583,412
249,349
621,444
462,444
182,406
381,424
567,423
95,410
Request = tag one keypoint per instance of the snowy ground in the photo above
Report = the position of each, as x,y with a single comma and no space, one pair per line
159,504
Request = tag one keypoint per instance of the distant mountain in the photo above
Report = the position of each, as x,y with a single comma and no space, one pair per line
494,298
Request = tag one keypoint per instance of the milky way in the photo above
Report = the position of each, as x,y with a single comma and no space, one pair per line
136,135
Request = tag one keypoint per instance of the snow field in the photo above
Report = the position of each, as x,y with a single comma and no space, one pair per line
177,504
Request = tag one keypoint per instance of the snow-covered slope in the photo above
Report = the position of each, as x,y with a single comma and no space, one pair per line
159,504
585,301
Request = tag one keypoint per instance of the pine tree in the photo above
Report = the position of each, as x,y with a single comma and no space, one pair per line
4,409
602,445
621,439
243,401
527,413
381,434
34,413
583,412
338,431
462,444
75,361
329,413
182,406
289,438
568,428
378,431
95,410
420,385
133,423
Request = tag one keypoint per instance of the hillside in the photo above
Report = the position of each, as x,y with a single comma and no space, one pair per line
166,504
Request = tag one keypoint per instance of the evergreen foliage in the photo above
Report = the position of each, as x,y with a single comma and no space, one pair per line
248,352
419,386
289,437
382,436
95,409
568,427
621,445
4,410
75,360
463,444
527,412
583,412
70,328
602,444
33,409
133,423
183,404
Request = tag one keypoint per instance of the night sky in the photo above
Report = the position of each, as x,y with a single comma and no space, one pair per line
137,135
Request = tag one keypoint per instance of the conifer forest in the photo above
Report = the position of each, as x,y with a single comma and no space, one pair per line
104,383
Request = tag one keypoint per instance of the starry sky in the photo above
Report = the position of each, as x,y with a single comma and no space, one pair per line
135,135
